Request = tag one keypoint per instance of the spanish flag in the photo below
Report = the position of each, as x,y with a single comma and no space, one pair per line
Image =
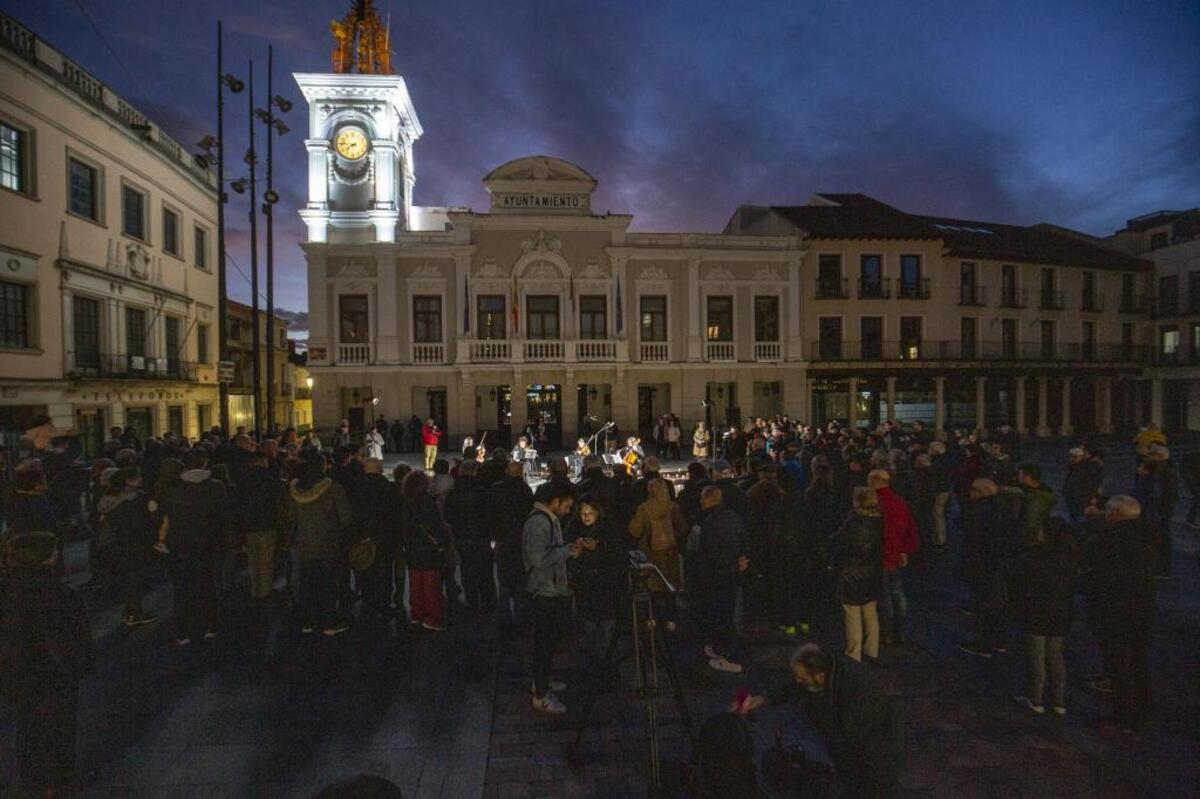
516,306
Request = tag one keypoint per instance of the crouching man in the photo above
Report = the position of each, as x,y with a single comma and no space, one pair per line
856,721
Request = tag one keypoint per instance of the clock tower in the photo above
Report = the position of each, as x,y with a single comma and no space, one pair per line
361,131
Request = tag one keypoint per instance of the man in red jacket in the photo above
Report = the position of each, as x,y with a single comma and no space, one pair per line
899,544
430,436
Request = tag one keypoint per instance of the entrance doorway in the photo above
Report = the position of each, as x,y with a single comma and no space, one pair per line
140,419
721,407
545,403
175,419
89,422
768,399
493,415
654,402
436,399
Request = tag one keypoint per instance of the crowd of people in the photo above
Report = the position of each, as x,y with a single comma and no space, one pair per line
776,525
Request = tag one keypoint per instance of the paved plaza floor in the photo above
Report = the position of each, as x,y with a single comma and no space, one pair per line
264,711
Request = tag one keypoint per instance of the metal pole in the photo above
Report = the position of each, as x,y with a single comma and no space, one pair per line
251,157
222,324
267,210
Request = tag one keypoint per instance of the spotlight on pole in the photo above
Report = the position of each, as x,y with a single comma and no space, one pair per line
282,103
240,185
270,196
235,85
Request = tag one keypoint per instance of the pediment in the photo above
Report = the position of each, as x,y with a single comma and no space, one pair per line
540,168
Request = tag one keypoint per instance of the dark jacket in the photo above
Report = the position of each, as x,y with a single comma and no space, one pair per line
196,508
132,529
509,502
45,643
1049,576
259,499
425,538
465,509
597,576
990,544
30,511
1081,484
321,517
859,546
722,542
859,725
382,512
1119,581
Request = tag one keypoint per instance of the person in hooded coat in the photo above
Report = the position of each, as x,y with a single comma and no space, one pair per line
659,528
318,510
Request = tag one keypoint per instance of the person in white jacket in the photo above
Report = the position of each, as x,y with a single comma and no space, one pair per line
373,444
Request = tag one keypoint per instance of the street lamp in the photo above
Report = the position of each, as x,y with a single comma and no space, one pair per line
309,381
225,81
275,127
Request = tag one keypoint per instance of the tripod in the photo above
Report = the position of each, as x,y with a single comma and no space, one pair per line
648,652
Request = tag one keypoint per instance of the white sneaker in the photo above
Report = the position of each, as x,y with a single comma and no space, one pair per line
556,687
549,704
335,630
709,652
1028,704
1059,710
721,664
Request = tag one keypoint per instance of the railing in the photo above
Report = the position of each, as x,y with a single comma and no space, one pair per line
1181,357
1052,301
720,351
489,351
654,352
1092,302
859,351
832,289
916,290
18,37
543,350
83,82
1013,298
130,115
428,353
1166,306
595,350
768,351
972,295
869,289
1134,303
303,393
353,354
90,364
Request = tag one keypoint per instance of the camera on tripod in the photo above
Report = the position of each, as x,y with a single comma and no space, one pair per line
640,572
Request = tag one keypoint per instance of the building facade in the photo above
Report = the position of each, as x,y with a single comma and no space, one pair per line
108,291
240,339
542,307
1171,239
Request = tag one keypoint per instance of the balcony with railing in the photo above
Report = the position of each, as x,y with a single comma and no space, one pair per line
832,288
353,354
768,351
1052,300
720,351
1092,302
85,364
970,295
967,351
544,350
486,351
654,352
879,288
913,289
595,350
1013,297
428,353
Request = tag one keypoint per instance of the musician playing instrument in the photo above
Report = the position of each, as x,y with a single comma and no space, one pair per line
633,453
522,451
582,449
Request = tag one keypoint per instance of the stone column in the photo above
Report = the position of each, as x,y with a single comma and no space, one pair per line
1104,406
68,331
1066,429
980,400
891,399
852,411
320,338
939,407
570,410
795,344
695,339
1043,428
462,419
1156,401
806,406
621,279
1021,428
387,333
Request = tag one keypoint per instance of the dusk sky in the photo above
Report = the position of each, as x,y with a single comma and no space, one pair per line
1082,114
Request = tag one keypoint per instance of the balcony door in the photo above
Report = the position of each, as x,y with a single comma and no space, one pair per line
541,316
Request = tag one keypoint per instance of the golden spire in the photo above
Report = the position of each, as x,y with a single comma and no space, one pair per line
361,42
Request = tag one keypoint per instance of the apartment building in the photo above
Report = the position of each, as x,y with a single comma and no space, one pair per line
240,338
107,237
1171,240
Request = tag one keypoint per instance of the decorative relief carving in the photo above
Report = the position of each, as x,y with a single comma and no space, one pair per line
490,269
541,244
653,273
719,273
427,270
352,267
542,270
592,270
137,260
767,275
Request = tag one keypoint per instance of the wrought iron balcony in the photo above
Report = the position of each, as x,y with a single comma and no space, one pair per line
913,290
967,351
832,288
874,289
86,364
972,295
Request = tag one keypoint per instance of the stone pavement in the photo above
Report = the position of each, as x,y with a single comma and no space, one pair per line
265,712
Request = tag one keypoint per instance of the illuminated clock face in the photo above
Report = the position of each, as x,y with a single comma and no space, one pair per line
351,144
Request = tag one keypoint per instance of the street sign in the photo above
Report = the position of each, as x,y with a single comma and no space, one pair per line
225,371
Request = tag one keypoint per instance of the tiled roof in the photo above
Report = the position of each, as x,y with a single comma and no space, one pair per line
857,216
